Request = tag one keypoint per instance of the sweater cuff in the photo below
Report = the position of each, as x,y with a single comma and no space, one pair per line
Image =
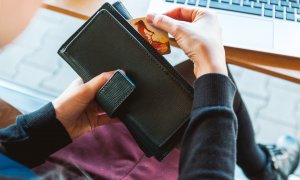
213,90
47,133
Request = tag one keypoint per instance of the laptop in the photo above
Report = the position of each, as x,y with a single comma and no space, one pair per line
271,26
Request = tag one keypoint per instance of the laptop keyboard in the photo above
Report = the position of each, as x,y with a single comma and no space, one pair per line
279,9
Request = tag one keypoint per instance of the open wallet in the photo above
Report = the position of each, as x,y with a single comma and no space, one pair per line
152,99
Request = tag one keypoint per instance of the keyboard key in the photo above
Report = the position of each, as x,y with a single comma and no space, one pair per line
290,16
293,1
298,11
180,1
169,0
192,2
257,5
268,13
275,2
235,8
225,1
285,3
238,2
295,5
278,15
203,3
263,1
247,3
290,10
298,19
269,7
279,8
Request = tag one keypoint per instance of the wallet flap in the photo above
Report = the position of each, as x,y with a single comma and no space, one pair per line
114,93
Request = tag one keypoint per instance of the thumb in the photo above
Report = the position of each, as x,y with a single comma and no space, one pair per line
163,22
91,87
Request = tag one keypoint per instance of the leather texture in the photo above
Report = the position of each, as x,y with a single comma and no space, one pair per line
119,6
158,111
114,93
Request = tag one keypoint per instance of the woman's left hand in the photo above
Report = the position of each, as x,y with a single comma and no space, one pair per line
76,108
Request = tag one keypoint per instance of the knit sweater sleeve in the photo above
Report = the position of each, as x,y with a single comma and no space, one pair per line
209,144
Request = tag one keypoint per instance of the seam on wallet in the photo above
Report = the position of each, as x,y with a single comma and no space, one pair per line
159,65
124,33
151,58
83,73
163,69
151,49
75,38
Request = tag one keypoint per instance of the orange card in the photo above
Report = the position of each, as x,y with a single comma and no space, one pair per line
157,38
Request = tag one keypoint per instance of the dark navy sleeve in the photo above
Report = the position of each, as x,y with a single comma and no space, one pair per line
34,137
209,144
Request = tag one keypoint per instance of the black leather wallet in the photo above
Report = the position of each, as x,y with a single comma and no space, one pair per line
157,111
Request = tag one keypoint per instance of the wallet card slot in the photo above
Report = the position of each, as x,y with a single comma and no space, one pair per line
160,60
160,66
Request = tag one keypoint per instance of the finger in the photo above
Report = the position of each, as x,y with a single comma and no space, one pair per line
97,82
183,14
163,22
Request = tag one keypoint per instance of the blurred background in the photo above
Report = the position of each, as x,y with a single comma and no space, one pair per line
31,63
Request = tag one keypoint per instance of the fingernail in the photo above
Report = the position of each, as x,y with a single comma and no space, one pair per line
150,17
102,114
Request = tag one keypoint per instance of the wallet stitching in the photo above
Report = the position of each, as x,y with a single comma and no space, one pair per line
188,116
86,74
71,61
164,70
156,63
155,53
159,65
76,38
75,65
149,55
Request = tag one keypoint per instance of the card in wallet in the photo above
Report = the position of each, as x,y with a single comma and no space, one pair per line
158,110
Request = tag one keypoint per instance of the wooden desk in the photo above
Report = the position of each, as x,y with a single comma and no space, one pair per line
276,65
8,114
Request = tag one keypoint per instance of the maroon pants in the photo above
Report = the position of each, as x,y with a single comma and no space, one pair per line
110,152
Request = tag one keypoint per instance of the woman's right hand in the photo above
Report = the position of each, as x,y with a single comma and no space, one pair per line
198,33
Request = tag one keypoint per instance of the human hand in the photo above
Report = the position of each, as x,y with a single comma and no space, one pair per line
76,108
198,33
